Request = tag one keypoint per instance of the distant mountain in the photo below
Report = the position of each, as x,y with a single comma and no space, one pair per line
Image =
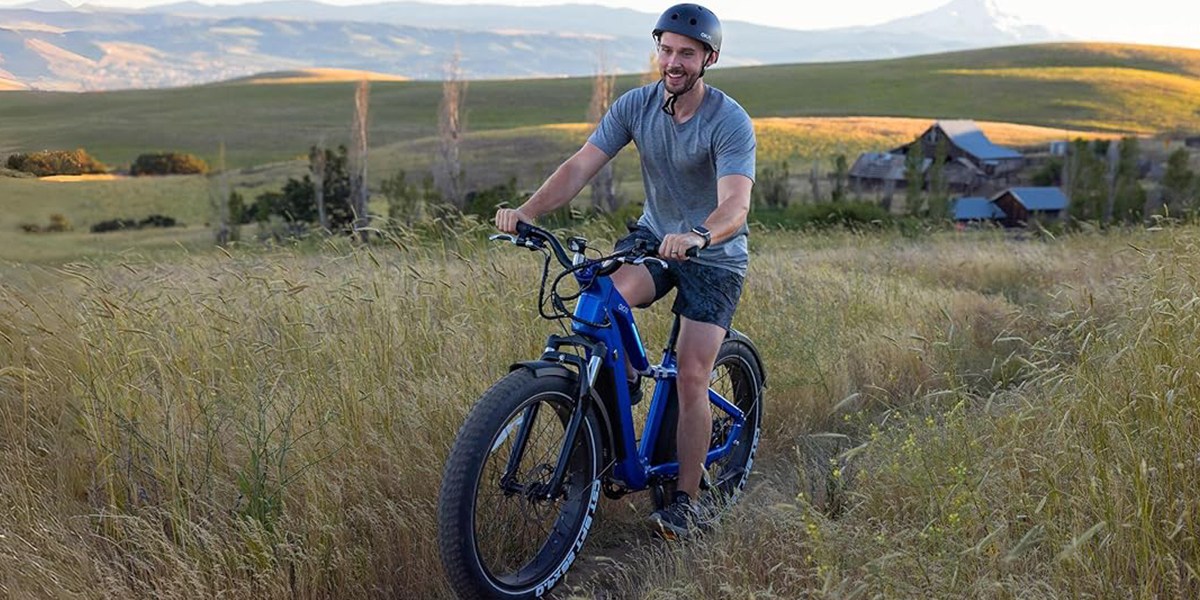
46,46
46,6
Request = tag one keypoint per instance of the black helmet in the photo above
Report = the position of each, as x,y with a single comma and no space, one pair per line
691,20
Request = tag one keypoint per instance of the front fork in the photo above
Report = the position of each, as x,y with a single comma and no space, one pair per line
586,370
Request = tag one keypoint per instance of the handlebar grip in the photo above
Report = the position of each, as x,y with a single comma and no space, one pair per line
523,228
692,252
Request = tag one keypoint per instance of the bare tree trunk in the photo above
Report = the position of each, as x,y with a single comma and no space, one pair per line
1114,160
316,166
653,70
604,196
448,173
814,179
222,232
358,182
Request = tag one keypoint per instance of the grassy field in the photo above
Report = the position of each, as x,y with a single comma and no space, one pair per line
488,160
950,416
1140,89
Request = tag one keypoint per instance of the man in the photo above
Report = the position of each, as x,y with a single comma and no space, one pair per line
697,155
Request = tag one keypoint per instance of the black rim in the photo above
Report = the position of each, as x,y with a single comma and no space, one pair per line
520,538
735,381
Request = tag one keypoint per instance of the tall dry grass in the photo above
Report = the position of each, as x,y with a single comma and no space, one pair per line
961,415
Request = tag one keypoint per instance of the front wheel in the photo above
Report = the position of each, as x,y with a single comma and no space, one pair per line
499,536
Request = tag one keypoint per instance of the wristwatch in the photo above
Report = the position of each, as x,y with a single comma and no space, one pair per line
703,232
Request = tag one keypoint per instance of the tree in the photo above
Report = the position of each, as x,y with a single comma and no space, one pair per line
56,162
814,181
358,181
604,195
1085,183
840,171
316,168
1179,183
653,70
405,203
939,186
296,202
914,179
1126,200
221,200
168,163
772,188
448,173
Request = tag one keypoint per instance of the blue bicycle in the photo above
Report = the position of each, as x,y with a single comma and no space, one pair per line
525,474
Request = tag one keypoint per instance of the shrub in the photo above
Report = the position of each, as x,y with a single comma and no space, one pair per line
168,163
823,215
113,225
296,203
58,224
155,220
55,162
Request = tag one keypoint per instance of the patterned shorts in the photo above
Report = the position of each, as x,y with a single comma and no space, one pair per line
706,294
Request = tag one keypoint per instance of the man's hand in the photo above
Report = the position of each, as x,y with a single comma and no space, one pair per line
506,219
675,245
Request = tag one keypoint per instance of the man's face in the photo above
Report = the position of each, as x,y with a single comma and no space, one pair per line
681,59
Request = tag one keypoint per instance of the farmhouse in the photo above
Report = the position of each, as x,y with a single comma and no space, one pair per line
973,162
873,170
1014,207
976,209
964,140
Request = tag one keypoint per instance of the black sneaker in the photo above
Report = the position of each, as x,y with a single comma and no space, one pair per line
635,390
678,520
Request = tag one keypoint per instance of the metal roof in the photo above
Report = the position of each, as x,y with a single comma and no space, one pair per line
967,135
1039,198
976,208
882,165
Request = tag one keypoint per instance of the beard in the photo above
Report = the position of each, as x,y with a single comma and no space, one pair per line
679,85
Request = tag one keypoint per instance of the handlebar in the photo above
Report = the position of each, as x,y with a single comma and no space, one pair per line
536,238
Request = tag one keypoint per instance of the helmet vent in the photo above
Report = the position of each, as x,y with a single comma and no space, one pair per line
675,17
693,21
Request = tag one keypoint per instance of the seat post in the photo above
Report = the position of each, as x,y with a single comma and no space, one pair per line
674,337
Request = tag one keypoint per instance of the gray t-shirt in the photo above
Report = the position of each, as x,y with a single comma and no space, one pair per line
681,163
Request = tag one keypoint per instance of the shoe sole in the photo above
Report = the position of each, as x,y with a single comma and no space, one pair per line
668,531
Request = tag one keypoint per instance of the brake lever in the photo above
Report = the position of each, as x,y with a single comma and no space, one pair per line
644,259
502,237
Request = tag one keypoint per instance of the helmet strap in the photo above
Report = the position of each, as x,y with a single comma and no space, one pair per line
669,105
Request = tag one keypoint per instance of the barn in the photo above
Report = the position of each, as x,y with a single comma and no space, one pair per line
1021,205
964,140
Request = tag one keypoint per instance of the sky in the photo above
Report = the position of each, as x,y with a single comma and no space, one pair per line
1164,22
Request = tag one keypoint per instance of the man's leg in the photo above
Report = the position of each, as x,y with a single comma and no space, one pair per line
696,350
635,284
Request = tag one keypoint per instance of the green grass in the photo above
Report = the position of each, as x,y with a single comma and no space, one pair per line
268,123
948,416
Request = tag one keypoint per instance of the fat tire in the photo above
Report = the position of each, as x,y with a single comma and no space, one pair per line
461,485
737,355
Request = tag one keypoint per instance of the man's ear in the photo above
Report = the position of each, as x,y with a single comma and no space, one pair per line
712,58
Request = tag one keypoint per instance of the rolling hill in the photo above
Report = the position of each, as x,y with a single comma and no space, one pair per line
1102,87
50,46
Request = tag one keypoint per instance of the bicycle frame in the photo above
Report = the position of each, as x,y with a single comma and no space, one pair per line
637,472
608,345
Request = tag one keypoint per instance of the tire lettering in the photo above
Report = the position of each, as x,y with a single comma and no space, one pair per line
561,570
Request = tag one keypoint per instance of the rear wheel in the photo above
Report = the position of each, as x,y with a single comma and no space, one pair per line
737,378
500,537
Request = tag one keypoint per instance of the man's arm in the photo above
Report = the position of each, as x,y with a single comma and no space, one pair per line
733,205
566,182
